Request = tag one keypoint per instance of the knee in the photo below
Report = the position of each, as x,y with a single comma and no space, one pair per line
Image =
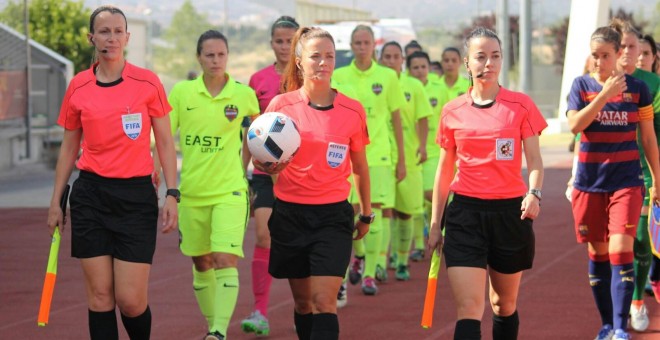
325,303
470,308
503,308
263,238
203,263
223,260
302,306
101,299
132,307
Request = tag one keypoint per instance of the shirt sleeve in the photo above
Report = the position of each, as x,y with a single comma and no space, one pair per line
158,106
69,114
174,114
575,98
645,103
445,136
534,121
360,137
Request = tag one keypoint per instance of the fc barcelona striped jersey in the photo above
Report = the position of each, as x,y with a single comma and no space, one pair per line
608,156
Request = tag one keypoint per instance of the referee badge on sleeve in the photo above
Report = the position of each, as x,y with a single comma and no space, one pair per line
132,124
336,154
504,149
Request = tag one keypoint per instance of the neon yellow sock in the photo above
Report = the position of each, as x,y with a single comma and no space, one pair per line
358,245
418,227
204,289
226,294
403,242
372,243
385,244
394,235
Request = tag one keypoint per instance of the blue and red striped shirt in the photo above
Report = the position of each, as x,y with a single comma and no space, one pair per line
608,157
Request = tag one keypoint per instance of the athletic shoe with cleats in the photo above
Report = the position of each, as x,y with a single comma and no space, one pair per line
381,274
620,334
369,286
417,255
639,318
402,273
655,287
342,296
605,333
256,323
356,269
392,264
214,336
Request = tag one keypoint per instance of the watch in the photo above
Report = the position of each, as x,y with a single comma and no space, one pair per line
535,192
367,219
174,193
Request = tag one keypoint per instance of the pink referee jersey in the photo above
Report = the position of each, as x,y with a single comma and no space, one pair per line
319,172
115,119
266,84
488,142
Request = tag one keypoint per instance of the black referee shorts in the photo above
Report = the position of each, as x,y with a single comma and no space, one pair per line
262,187
310,240
482,233
116,217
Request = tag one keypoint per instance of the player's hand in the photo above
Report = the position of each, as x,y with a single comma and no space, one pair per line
615,84
170,214
55,218
361,229
530,207
270,168
653,194
400,171
421,153
435,240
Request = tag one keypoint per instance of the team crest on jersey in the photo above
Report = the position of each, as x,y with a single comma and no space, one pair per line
627,97
377,88
408,96
336,154
583,229
231,111
504,150
132,125
434,101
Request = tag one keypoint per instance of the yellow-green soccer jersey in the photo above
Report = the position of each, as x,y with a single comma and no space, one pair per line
436,96
378,90
416,107
210,138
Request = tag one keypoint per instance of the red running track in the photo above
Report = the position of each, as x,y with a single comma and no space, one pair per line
555,300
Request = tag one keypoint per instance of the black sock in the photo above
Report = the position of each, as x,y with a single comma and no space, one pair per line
325,327
139,327
303,324
505,327
467,329
103,325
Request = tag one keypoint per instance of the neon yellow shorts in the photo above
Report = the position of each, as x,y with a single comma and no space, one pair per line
216,228
409,193
383,184
429,168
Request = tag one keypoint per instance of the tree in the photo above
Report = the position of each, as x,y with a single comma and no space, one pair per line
60,25
177,56
560,32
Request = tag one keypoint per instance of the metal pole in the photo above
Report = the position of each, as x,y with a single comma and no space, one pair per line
525,45
28,82
503,32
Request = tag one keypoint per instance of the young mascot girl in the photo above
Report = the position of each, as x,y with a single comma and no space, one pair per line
311,226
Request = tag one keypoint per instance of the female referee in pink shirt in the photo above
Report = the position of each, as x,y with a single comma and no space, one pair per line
489,221
311,226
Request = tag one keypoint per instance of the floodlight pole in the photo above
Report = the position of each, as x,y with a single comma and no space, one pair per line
28,82
525,46
504,32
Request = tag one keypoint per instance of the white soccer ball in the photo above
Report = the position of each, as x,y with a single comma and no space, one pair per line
273,137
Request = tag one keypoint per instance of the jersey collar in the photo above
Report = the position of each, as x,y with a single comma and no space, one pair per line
368,72
468,96
227,91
